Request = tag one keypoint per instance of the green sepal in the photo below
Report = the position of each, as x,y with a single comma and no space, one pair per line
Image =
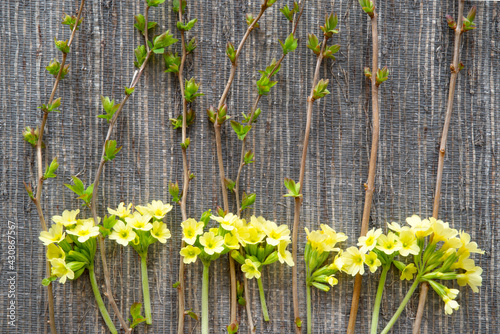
321,286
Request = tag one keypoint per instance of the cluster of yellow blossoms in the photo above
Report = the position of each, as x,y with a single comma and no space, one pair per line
439,253
142,227
69,234
320,244
263,241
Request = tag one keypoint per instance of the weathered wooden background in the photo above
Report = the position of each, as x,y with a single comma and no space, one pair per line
416,45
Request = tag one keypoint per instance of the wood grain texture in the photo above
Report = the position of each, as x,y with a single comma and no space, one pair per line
416,45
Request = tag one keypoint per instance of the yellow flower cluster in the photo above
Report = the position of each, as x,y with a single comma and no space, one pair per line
439,253
139,228
320,244
262,240
66,234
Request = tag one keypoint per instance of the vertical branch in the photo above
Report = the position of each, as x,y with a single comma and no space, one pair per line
442,149
220,159
185,183
295,24
298,199
39,159
370,185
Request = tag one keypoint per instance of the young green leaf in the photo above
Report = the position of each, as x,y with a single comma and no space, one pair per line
330,51
231,52
314,44
264,84
47,281
70,21
140,55
186,144
293,188
188,26
54,67
320,89
222,114
175,5
141,22
31,136
289,45
249,18
288,13
172,62
135,312
230,184
173,189
62,45
129,91
241,130
246,118
77,187
191,46
330,25
367,6
248,157
109,107
111,150
468,22
247,201
191,89
382,75
50,170
162,41
154,3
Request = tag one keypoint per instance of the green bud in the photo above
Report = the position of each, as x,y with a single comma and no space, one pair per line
233,328
330,25
368,73
231,52
293,188
321,286
140,55
451,22
230,184
31,136
468,22
70,21
273,257
29,190
111,150
186,143
191,46
313,43
289,45
191,89
247,200
109,107
248,158
250,19
172,62
173,189
368,7
54,67
50,170
211,113
129,91
320,90
237,257
330,51
222,114
382,75
62,45
188,26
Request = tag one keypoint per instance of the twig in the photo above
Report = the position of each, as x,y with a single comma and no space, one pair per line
38,197
370,185
298,200
252,112
442,149
93,206
185,185
219,150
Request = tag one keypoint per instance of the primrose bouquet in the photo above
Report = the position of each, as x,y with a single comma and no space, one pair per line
140,228
71,247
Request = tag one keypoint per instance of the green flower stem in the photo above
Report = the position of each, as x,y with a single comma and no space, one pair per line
145,288
378,299
204,299
100,303
309,315
263,300
401,307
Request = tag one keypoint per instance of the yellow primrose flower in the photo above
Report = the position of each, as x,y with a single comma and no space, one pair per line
55,234
211,243
421,228
450,305
388,243
451,293
397,228
140,222
369,241
372,261
227,222
332,234
231,241
408,272
338,262
68,217
258,222
353,261
467,246
276,233
156,209
242,234
409,243
317,240
251,269
55,252
61,270
253,235
123,234
85,230
472,278
214,230
442,231
332,280
121,211
160,232
463,262
283,254
191,229
452,243
190,254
